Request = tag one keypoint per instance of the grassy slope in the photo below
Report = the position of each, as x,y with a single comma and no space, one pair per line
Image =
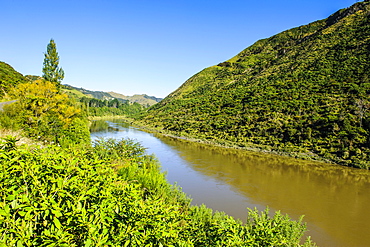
303,91
9,77
74,93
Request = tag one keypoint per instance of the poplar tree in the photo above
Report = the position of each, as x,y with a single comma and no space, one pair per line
51,71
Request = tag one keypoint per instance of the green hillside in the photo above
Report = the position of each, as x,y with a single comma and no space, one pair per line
304,91
74,93
88,93
9,77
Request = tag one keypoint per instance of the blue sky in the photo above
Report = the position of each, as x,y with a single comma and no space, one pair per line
143,46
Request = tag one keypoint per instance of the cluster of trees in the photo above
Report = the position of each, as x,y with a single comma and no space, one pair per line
304,91
44,112
114,107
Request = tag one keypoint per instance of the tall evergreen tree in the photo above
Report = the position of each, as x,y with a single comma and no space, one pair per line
51,71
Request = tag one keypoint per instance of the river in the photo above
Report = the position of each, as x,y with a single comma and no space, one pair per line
335,200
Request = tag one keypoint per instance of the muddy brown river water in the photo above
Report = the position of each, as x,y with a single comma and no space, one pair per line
335,200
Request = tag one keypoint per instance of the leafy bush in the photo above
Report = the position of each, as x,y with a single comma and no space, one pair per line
84,197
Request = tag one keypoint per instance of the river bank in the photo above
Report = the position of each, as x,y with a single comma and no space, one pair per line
222,143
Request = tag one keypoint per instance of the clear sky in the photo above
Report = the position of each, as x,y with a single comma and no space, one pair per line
143,46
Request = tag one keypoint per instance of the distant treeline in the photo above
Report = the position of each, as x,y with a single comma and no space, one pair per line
97,107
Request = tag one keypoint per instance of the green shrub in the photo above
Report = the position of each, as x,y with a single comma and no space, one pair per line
113,194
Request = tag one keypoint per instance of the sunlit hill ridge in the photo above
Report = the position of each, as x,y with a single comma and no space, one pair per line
304,91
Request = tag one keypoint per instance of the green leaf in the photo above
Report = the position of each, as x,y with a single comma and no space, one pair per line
3,212
88,242
10,197
22,213
57,213
57,223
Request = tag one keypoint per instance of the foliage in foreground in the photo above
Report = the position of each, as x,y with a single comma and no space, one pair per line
113,194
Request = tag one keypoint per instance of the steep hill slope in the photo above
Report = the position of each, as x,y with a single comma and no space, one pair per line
9,77
304,91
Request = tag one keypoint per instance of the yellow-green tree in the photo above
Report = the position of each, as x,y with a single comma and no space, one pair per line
42,111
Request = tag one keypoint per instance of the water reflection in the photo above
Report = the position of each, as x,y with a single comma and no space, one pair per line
334,199
97,126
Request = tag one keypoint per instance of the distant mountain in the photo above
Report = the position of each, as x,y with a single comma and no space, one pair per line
142,99
304,91
93,94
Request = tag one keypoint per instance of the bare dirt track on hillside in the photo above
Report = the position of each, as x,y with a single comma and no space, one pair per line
6,103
